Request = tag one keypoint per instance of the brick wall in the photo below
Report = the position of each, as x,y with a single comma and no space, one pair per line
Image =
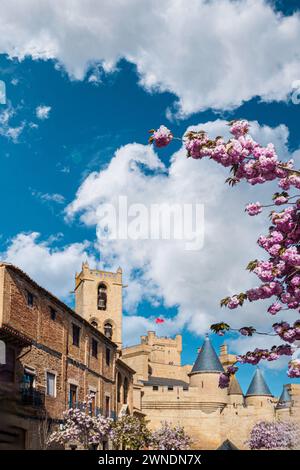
52,348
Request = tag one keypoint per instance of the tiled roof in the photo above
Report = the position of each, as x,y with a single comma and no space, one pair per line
163,381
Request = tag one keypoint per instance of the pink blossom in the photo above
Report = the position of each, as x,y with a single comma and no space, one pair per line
254,208
162,136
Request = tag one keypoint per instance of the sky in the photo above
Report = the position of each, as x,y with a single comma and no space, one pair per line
83,87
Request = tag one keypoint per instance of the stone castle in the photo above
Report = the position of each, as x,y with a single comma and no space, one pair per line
65,354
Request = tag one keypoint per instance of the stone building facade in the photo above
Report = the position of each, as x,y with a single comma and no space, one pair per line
54,358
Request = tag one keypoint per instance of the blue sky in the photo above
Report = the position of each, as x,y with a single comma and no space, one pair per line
90,116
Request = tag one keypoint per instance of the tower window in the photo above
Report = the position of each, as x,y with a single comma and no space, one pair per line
108,330
102,297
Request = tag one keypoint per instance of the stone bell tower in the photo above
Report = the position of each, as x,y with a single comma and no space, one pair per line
98,299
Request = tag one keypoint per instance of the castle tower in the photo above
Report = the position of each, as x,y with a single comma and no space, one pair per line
285,400
205,375
258,392
235,393
98,299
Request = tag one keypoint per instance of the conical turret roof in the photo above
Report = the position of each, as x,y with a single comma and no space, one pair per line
207,359
234,387
258,385
285,399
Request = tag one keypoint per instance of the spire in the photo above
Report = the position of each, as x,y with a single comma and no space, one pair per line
85,265
207,359
285,399
258,385
234,387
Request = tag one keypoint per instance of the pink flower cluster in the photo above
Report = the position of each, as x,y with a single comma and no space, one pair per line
254,208
274,435
170,437
161,137
287,332
81,426
254,357
294,369
248,159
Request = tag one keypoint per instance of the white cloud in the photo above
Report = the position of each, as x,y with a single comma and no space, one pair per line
161,270
42,112
213,54
47,197
52,268
6,129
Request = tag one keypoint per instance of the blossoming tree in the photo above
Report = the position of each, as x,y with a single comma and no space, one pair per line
130,432
274,435
82,427
279,274
170,437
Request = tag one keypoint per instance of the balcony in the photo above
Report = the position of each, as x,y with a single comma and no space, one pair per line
32,397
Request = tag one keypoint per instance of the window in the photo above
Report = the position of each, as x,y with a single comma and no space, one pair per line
94,348
76,335
92,397
107,407
7,370
94,324
107,356
170,388
108,329
51,384
155,388
72,396
30,299
125,391
102,297
28,379
52,313
119,385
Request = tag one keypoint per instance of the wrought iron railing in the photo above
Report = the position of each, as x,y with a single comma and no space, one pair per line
32,397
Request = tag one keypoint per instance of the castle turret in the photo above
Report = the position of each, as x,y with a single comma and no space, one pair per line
235,393
205,375
258,392
285,400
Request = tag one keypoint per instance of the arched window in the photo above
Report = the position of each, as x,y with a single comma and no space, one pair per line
108,330
125,391
102,297
119,388
94,323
